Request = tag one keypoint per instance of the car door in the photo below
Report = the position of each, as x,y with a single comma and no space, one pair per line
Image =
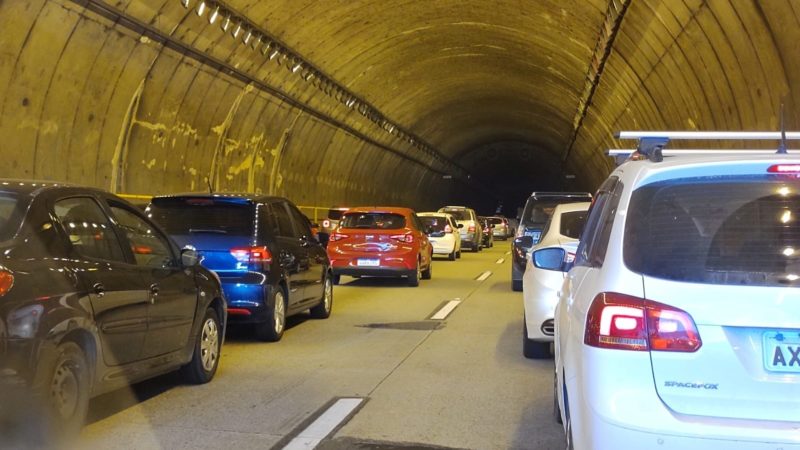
313,256
424,243
292,256
117,293
172,291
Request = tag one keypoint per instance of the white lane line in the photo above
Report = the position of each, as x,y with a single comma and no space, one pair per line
484,275
508,253
446,310
324,425
501,261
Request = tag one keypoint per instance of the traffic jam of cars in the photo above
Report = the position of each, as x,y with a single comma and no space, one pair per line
667,299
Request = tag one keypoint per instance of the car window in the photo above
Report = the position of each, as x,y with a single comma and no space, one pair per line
539,209
597,224
735,230
89,230
335,214
284,221
148,246
302,225
373,221
10,215
267,223
437,223
458,214
190,215
572,223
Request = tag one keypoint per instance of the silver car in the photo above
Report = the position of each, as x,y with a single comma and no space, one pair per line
471,231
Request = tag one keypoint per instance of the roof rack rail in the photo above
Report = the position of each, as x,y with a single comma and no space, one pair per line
710,135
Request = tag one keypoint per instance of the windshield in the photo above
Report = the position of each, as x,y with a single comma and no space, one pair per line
734,230
495,220
335,214
458,214
374,221
572,223
538,211
199,215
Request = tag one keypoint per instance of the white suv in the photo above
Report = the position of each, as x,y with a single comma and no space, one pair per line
679,325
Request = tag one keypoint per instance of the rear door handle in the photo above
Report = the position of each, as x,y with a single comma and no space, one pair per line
99,289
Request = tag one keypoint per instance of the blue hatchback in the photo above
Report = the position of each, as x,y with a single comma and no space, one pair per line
262,249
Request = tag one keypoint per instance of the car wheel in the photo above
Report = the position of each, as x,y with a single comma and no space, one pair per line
272,329
568,434
323,310
532,349
413,277
452,256
68,389
458,254
427,273
205,358
516,285
336,279
556,409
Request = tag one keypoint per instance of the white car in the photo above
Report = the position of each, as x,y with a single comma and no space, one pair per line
540,285
679,325
444,234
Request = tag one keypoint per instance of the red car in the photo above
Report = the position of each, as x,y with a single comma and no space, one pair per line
382,242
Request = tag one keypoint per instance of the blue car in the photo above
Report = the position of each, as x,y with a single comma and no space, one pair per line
262,249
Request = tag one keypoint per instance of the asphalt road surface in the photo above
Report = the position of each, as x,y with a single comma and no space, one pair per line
386,371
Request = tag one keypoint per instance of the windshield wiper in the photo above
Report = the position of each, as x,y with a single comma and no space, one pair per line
202,230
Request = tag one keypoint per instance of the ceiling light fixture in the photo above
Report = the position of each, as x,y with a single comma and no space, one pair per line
201,8
185,3
237,30
213,16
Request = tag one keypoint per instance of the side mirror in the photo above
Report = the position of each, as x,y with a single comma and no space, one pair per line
524,241
460,225
189,257
549,259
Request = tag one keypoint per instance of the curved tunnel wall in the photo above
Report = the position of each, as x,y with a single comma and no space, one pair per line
495,86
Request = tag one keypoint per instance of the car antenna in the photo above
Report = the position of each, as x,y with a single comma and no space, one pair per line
210,189
782,145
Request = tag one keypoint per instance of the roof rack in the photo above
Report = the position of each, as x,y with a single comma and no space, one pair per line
652,143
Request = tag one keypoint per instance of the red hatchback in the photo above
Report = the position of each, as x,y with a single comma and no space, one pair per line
382,242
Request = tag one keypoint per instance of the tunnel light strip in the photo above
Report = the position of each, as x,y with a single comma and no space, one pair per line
281,53
710,135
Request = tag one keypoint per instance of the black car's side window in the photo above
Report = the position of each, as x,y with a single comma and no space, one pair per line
267,223
89,230
285,227
148,246
301,223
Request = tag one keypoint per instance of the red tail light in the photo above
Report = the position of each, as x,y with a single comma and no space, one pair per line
471,228
6,282
337,237
448,229
255,257
784,168
624,322
326,223
407,238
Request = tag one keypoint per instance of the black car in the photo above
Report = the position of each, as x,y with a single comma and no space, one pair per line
94,297
538,210
488,236
263,250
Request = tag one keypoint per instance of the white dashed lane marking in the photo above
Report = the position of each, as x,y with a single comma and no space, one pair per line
445,310
324,425
501,261
484,275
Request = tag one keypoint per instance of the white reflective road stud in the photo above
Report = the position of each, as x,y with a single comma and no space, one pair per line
324,425
446,310
501,261
484,276
508,253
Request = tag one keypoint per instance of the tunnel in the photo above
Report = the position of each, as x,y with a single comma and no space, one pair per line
370,102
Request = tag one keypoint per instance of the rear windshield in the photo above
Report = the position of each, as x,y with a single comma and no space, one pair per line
735,230
335,214
538,210
572,223
495,220
373,221
10,217
203,216
435,222
458,214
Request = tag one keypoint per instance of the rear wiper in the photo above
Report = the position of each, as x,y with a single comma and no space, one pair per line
201,230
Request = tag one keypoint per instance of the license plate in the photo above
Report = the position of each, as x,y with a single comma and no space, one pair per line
368,262
782,351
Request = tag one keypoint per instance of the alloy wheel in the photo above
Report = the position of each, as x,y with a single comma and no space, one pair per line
279,313
209,344
327,296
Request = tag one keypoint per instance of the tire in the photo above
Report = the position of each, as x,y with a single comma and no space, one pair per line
428,273
516,285
336,279
458,254
325,306
532,349
413,277
272,329
452,256
207,350
68,390
556,409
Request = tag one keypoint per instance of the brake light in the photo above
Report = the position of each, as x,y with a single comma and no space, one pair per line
337,237
624,322
326,223
448,228
6,282
407,238
472,228
784,168
253,257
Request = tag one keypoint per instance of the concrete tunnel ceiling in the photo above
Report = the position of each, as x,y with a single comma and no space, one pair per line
147,97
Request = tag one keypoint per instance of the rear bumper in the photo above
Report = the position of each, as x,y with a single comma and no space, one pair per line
444,245
374,271
246,301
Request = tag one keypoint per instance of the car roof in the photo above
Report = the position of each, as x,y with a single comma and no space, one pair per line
381,209
561,194
571,207
253,198
24,186
436,214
